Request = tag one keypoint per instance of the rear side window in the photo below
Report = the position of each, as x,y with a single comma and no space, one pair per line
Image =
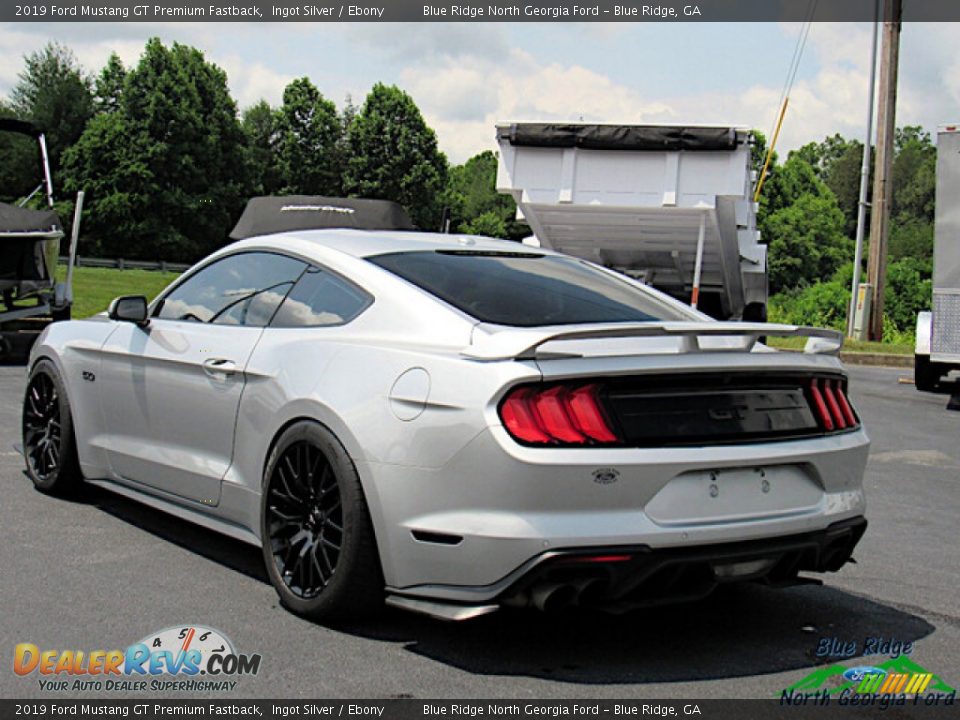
321,298
241,289
526,290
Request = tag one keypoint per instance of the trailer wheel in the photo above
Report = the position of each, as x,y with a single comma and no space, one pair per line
61,313
926,374
755,312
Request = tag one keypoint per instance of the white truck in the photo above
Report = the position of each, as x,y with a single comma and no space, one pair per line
669,205
937,351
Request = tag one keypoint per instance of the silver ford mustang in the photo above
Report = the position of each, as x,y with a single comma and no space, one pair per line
456,424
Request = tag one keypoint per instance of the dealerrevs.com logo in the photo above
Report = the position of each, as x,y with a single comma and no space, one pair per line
184,658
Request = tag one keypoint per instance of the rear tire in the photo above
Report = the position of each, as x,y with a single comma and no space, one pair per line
755,312
49,443
318,542
926,374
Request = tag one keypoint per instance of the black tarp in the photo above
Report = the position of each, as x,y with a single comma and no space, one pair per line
619,137
266,215
15,219
21,258
19,126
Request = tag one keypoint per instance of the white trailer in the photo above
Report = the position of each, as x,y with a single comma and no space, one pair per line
937,351
669,205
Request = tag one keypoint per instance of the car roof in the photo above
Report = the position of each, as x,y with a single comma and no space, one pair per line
367,243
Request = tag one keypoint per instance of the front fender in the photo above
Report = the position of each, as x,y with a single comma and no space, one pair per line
74,348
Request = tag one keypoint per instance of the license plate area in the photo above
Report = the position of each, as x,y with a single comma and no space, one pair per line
735,494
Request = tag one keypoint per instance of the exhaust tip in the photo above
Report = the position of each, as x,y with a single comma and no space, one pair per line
551,597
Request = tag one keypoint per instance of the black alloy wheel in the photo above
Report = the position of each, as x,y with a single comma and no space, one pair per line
42,430
304,520
49,445
318,541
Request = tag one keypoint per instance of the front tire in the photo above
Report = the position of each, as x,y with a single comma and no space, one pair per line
318,542
49,443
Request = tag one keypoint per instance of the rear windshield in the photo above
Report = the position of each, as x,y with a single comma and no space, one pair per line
526,290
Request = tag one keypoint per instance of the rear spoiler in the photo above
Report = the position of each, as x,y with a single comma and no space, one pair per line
492,343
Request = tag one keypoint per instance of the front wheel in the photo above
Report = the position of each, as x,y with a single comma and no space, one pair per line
318,541
49,444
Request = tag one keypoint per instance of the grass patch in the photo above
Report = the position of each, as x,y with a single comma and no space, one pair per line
94,288
797,343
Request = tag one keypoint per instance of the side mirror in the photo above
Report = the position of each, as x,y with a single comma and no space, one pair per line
129,308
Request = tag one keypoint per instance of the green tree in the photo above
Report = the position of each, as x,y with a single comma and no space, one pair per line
111,162
259,125
838,162
805,242
907,293
165,171
842,176
489,223
787,182
802,225
308,132
108,87
475,205
394,156
914,174
20,169
758,152
56,95
911,237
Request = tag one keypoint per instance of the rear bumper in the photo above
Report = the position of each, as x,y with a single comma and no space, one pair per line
618,579
464,531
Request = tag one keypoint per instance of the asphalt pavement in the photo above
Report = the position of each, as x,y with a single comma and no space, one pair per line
102,572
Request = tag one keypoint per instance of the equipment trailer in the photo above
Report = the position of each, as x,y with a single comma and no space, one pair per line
937,351
669,205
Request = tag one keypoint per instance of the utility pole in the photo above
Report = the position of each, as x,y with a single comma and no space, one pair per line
864,176
882,181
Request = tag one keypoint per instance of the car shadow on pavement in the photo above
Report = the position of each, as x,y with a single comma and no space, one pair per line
230,553
738,631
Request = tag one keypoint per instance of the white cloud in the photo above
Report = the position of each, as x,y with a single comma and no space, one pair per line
251,82
468,77
422,42
93,43
463,99
515,87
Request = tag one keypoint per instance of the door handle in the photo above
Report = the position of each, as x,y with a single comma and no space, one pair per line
219,367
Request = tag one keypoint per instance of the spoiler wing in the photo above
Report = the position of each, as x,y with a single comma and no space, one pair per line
524,343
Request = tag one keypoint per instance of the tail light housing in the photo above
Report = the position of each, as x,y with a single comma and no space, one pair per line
830,405
568,415
695,410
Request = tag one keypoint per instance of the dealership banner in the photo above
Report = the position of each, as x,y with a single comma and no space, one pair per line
410,709
480,11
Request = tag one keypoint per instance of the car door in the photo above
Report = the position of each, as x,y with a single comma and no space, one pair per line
170,390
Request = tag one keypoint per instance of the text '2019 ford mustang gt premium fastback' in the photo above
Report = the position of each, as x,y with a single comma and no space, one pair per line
456,424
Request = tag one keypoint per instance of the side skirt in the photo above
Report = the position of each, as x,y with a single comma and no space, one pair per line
196,517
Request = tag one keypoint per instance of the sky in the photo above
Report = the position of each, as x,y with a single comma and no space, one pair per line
467,77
